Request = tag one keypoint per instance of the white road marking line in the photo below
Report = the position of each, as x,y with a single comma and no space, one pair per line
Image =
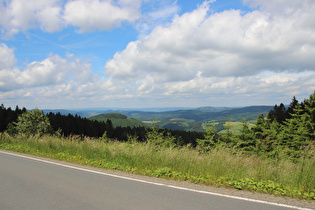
155,183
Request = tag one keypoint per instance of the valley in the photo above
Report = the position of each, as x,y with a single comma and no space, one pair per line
186,119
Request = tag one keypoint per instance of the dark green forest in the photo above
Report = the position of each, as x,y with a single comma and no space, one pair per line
68,125
284,131
119,120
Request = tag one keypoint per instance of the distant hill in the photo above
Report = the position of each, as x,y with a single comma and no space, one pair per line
81,113
182,119
250,113
193,119
202,114
119,120
213,109
90,112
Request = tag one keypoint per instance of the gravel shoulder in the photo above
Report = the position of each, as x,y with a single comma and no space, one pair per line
184,184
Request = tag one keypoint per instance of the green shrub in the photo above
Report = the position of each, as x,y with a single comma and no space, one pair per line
33,123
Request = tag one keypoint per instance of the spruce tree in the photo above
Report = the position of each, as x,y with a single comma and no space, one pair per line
258,132
211,138
297,130
246,140
271,143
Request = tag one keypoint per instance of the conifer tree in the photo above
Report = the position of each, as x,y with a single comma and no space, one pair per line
310,110
291,107
271,144
247,141
228,136
298,130
211,138
258,132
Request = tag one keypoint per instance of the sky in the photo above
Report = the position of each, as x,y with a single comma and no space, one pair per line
58,54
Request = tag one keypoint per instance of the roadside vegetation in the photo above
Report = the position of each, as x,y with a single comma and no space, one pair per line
276,155
221,166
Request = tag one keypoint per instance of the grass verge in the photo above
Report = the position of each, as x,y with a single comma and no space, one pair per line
220,167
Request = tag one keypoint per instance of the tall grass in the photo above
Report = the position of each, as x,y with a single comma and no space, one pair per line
220,167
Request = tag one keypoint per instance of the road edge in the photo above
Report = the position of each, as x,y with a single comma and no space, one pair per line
203,189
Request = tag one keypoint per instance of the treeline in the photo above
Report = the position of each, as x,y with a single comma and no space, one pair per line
67,125
8,115
285,131
76,125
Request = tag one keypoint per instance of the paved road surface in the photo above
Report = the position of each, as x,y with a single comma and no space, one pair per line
30,183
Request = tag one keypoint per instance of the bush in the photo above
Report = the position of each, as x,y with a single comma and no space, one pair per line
33,123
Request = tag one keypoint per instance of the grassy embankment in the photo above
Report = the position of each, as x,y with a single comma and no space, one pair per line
220,167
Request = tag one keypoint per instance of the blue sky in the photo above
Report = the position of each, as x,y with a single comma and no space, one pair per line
148,53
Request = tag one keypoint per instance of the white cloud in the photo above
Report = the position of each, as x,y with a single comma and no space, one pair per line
264,82
54,82
223,44
90,15
214,55
51,71
279,6
87,15
53,15
7,57
19,15
50,18
199,58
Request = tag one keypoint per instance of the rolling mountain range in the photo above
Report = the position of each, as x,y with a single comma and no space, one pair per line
181,119
119,120
202,114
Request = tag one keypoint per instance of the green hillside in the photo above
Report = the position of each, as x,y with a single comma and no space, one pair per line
184,119
194,119
202,115
118,120
181,124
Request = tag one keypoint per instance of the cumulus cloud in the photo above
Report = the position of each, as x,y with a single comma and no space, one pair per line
266,88
86,15
50,19
279,6
53,15
90,15
223,44
210,55
54,81
199,57
51,71
18,15
7,57
283,82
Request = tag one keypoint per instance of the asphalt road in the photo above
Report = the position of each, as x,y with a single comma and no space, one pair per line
31,183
